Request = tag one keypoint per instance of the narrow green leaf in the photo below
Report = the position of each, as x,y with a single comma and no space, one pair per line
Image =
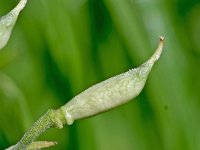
8,21
13,105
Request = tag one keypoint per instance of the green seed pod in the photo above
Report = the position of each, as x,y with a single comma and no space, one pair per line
8,21
110,93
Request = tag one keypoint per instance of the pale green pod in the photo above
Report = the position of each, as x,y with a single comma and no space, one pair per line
110,93
8,21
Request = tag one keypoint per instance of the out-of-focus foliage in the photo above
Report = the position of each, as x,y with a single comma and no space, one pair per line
59,48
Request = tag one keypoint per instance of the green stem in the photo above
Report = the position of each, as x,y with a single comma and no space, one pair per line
53,118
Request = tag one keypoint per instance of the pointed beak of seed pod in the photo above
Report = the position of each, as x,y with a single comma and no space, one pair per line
158,51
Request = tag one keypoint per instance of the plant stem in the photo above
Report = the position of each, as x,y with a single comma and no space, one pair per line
53,118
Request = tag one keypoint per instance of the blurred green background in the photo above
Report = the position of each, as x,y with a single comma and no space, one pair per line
60,48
